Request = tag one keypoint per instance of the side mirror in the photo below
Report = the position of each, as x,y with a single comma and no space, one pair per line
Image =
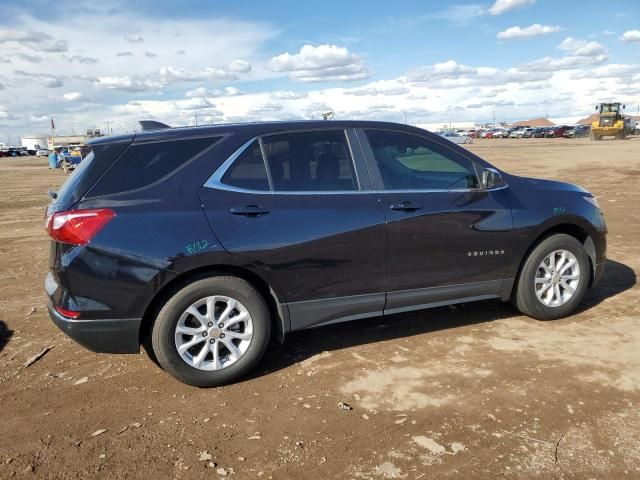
491,179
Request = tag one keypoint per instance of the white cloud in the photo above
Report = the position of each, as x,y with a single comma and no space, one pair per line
173,74
534,30
321,63
232,91
439,71
4,115
128,84
502,6
383,88
551,64
266,107
38,41
580,53
582,48
47,81
165,76
80,59
38,118
195,104
134,38
203,92
239,66
288,95
631,36
73,96
28,58
124,54
612,70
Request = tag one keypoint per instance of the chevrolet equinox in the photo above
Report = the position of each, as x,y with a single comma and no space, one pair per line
208,242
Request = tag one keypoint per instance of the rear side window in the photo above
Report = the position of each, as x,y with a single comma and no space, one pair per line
91,167
310,161
248,171
146,163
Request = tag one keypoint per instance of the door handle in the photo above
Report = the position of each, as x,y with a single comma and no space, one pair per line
250,210
406,206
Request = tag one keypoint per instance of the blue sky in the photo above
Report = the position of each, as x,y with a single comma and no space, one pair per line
86,64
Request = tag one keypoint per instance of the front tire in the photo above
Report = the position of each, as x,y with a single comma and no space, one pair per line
554,278
212,332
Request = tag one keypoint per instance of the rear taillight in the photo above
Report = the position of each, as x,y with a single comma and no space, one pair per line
77,227
67,313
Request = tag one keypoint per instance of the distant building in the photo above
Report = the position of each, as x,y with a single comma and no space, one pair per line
534,122
65,140
34,142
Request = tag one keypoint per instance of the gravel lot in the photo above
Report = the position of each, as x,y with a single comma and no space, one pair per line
475,391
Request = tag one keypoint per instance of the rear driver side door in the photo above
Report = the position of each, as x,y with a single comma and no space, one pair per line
297,209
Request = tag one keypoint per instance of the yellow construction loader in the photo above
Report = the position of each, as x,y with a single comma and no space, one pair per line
610,122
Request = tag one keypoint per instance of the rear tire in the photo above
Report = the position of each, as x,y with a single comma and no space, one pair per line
538,298
241,300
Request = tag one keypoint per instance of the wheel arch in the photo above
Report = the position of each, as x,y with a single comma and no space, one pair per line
573,230
277,308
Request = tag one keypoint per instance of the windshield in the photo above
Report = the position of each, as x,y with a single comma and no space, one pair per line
610,108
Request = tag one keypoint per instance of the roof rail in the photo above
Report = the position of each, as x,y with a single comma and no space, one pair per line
152,125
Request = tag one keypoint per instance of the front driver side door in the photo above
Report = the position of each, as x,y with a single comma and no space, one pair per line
447,238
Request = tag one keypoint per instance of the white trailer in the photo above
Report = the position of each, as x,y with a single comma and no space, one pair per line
34,142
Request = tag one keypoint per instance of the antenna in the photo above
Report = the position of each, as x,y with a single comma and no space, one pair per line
152,125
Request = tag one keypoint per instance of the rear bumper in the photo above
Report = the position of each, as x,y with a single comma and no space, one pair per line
103,335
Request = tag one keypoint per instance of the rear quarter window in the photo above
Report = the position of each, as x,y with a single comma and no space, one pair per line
98,159
146,163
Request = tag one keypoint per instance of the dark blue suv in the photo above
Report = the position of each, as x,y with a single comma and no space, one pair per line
210,241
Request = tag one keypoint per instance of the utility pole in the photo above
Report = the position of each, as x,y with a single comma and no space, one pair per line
494,117
196,115
53,135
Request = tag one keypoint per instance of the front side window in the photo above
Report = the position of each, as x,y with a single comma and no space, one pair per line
248,171
310,161
410,162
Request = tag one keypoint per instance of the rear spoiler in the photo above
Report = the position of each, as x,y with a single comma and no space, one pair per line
152,125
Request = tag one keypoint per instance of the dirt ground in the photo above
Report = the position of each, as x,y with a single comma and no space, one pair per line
475,391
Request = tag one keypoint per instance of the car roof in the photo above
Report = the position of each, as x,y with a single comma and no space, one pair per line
259,128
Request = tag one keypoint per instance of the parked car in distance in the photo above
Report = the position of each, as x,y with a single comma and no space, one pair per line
557,131
42,153
527,132
517,132
257,230
577,131
456,137
498,133
538,132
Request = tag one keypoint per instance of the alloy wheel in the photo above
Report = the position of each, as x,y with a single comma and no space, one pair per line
557,278
213,333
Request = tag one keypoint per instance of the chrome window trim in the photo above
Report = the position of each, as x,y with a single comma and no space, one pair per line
215,180
455,190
